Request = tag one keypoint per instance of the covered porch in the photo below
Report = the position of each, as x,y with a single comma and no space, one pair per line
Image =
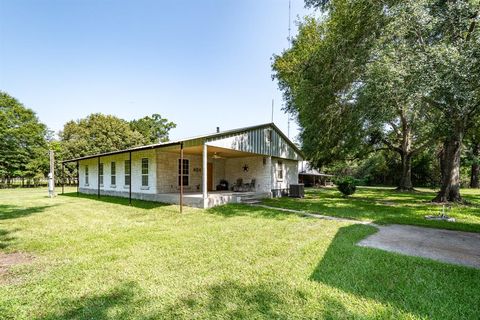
211,175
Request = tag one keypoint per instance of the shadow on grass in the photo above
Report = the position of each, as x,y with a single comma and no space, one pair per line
142,204
6,238
115,304
404,208
12,212
224,300
232,300
420,286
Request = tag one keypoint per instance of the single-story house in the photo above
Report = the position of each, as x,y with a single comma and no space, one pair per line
311,177
204,171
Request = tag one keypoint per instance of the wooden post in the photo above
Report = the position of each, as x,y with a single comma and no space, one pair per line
78,179
130,184
63,178
181,177
98,177
204,173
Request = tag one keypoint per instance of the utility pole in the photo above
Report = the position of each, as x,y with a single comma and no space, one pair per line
51,175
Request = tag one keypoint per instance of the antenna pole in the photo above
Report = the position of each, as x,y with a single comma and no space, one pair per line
289,18
273,104
289,46
288,130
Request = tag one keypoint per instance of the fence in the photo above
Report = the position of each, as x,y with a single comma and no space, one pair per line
33,182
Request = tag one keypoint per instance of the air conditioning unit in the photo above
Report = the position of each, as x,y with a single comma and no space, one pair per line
297,190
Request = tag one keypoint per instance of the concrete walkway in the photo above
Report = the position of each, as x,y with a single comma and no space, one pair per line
311,215
457,247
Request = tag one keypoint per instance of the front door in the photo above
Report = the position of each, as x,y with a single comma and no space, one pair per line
209,176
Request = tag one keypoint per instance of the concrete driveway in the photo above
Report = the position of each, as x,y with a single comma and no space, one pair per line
455,247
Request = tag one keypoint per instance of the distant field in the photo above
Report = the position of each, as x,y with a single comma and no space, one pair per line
81,258
384,205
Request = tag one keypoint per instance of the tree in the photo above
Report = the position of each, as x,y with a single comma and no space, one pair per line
97,133
325,73
153,128
389,98
317,81
451,59
23,142
473,147
335,77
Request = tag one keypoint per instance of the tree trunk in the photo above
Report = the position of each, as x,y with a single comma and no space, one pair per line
475,175
475,171
450,188
406,178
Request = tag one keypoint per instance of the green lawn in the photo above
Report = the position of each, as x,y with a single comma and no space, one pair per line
107,260
385,205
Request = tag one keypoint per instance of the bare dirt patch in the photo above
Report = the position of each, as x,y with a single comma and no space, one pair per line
9,260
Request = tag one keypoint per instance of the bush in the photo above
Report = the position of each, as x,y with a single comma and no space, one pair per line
346,185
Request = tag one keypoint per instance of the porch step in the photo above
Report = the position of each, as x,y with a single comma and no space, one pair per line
252,198
251,201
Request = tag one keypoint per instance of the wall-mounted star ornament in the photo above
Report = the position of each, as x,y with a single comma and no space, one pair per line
245,168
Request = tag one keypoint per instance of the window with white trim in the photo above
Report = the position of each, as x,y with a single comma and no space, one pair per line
100,173
186,172
86,175
127,172
113,174
144,172
279,170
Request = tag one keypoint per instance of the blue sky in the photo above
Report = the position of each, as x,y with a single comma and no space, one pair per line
201,64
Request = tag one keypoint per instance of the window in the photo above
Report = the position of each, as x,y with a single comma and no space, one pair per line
144,172
279,170
100,173
86,175
127,172
113,174
186,171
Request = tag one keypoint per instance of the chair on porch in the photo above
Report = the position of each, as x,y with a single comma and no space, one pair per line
238,186
251,186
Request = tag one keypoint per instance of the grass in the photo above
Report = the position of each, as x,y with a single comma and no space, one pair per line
107,260
386,206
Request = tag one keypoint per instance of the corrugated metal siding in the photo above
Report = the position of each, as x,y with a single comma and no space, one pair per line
257,141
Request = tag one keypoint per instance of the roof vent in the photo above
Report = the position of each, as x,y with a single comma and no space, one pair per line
218,129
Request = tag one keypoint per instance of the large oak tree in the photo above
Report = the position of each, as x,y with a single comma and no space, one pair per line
432,47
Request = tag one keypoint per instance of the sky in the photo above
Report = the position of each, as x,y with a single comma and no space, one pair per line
201,64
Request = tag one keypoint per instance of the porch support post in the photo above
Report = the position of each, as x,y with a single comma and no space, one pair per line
130,184
204,173
78,179
98,177
181,177
63,178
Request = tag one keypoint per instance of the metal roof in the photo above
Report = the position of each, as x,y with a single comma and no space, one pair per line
309,170
201,137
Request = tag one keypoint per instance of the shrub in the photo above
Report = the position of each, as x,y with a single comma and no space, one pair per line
346,185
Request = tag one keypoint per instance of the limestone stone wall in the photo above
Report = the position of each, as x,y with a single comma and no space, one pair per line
120,186
258,169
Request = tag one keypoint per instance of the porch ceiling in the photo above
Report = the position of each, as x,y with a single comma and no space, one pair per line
222,152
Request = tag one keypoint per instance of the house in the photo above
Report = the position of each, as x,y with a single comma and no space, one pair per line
311,177
204,171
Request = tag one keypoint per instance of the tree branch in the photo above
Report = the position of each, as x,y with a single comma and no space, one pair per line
391,146
436,104
472,26
422,147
